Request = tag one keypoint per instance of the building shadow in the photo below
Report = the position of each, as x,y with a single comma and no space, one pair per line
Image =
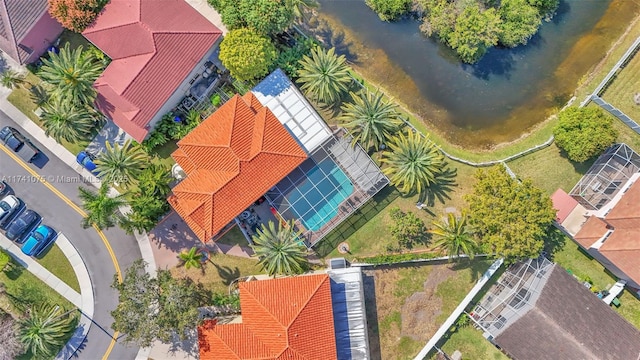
371,310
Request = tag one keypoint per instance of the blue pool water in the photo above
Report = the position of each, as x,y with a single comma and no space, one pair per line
316,200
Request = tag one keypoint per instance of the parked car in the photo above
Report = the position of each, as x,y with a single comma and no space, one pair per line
86,160
8,204
22,225
38,240
18,143
3,188
6,220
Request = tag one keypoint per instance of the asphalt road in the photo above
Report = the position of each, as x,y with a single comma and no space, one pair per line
58,214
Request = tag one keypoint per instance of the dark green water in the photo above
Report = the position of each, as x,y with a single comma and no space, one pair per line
502,96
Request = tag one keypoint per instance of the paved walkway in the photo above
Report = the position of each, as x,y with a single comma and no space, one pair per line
208,12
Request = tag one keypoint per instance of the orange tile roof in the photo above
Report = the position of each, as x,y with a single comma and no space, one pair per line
288,318
231,159
592,230
153,45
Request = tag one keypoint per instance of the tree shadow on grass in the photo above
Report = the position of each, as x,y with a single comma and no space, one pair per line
554,241
226,273
440,190
13,270
476,266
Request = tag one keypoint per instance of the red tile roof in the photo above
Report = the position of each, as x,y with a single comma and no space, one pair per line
592,230
231,159
288,318
563,203
154,45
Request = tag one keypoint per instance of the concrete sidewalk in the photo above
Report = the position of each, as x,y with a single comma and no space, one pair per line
84,300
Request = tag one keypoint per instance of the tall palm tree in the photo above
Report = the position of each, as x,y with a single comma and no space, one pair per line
279,250
299,7
11,79
454,236
44,330
369,119
413,163
191,259
64,120
324,76
121,164
102,209
72,74
155,180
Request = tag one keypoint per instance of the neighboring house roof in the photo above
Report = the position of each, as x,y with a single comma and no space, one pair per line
17,17
153,45
563,203
286,318
231,159
569,322
592,230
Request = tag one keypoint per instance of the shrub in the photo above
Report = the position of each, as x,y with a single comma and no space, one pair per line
289,57
584,133
75,15
407,229
390,10
397,258
5,258
247,54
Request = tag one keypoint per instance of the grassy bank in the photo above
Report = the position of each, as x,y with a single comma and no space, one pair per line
55,261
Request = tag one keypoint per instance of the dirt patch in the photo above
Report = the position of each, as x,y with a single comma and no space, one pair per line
402,308
420,310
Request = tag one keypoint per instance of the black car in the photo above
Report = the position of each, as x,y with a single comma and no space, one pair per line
18,143
22,226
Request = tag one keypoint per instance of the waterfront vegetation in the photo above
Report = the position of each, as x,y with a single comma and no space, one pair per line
472,27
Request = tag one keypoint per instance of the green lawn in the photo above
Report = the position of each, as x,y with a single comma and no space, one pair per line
234,237
55,261
218,274
74,39
367,230
472,345
434,290
23,289
581,264
163,153
623,88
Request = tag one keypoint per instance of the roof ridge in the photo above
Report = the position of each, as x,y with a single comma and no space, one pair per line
313,293
265,309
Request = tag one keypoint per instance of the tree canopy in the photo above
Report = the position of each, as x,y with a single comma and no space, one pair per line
153,309
472,27
266,17
584,133
247,54
511,218
390,10
75,15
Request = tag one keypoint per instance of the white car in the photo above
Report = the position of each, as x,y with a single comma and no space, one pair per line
8,204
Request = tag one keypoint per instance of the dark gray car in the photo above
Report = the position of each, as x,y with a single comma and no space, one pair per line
22,226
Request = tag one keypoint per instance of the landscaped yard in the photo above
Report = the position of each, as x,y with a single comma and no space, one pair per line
55,261
367,230
234,237
411,302
23,290
470,342
220,272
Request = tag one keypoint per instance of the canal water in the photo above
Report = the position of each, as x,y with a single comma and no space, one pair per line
496,100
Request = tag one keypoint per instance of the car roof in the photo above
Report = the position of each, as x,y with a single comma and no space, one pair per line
29,245
12,198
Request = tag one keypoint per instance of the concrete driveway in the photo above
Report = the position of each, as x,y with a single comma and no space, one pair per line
57,213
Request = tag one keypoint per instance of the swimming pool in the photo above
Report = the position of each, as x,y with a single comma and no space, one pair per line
316,199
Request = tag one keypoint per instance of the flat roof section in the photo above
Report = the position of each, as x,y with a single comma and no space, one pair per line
293,110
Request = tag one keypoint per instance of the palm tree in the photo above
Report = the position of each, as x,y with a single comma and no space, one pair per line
155,179
454,236
413,163
44,330
324,76
72,73
279,251
11,79
64,120
191,258
121,164
299,7
369,119
102,209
